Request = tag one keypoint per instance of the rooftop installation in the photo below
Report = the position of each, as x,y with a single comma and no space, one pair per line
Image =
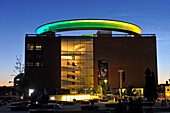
89,24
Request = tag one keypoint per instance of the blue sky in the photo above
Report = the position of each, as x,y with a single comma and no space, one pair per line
20,17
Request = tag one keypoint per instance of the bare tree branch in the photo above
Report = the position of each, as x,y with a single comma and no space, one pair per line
19,67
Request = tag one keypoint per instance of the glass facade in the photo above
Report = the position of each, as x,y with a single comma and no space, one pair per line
77,64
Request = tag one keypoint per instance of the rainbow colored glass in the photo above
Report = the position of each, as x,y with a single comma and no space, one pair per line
89,24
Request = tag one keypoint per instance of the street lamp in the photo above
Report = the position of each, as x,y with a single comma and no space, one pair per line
105,81
120,71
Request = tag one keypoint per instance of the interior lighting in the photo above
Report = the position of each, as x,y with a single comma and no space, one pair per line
52,98
66,57
22,97
38,47
167,94
31,91
77,97
70,97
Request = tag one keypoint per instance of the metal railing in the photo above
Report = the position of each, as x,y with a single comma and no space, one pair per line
42,35
95,35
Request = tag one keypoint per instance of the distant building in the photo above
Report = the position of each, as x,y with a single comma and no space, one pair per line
18,81
8,93
79,63
167,92
164,91
4,90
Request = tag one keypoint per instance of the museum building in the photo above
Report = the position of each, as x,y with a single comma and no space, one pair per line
79,63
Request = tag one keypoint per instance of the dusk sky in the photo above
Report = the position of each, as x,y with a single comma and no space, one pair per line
20,17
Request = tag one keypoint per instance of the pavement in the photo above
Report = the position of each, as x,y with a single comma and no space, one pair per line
76,107
6,109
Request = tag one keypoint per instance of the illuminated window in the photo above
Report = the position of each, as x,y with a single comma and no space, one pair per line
38,64
38,46
30,63
30,46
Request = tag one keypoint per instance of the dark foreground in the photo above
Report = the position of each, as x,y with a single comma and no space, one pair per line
76,108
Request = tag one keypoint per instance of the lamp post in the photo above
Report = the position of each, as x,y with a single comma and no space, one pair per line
120,71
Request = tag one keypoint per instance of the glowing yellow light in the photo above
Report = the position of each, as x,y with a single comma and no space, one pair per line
64,98
71,97
168,94
30,47
22,97
77,97
105,81
167,91
66,57
52,98
38,47
132,35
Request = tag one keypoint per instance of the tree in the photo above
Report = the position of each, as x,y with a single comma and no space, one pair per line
19,70
150,91
153,85
116,91
129,89
19,66
104,87
147,84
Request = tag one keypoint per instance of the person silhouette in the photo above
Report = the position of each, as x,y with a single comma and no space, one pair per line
138,106
131,106
120,107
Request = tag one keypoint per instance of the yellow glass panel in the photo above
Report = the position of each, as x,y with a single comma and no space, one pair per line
89,47
74,62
